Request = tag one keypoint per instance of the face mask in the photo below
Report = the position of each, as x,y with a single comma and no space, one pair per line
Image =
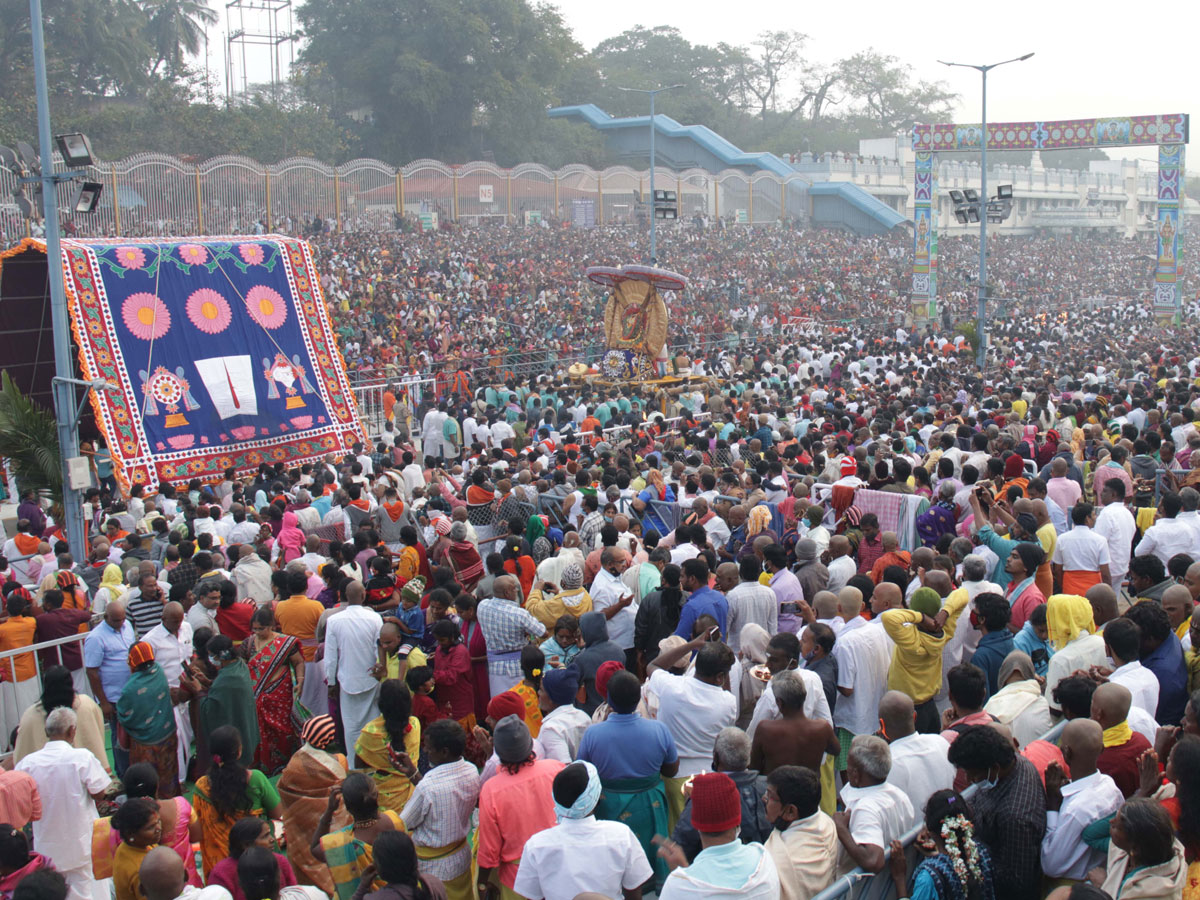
990,783
216,663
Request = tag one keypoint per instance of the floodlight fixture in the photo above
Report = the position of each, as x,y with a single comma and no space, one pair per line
88,197
75,148
1004,192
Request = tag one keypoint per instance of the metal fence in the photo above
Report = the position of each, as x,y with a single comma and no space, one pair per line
154,193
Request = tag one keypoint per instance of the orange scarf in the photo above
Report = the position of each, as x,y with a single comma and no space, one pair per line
394,510
360,503
26,543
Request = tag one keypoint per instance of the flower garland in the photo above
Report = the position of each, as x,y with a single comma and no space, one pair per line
958,837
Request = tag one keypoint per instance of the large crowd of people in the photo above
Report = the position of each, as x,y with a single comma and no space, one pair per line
547,638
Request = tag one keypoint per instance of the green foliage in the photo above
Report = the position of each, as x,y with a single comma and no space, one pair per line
967,329
451,79
29,438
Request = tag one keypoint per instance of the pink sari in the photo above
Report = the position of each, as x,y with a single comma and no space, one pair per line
178,840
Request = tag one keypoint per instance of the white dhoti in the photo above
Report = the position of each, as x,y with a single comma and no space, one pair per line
315,696
357,711
15,698
184,735
82,885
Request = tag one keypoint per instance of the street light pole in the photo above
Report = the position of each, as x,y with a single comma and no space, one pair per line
653,218
981,311
64,391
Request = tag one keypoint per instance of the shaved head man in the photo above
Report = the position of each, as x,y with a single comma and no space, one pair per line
508,627
1123,746
1080,799
1104,603
919,763
162,875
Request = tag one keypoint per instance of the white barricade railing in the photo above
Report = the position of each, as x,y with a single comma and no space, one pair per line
8,657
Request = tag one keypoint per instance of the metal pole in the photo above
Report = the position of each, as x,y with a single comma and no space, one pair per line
64,393
653,211
980,325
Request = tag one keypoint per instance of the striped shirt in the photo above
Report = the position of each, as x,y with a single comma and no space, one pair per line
144,613
438,814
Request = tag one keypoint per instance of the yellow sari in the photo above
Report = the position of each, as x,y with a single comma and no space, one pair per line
372,751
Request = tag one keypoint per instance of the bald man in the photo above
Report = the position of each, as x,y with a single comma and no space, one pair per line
892,556
1075,802
507,627
919,763
863,653
840,563
1123,746
106,659
350,652
1103,599
163,877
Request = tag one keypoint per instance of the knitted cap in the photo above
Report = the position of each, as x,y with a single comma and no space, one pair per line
413,589
716,804
849,466
561,685
604,674
140,654
926,601
319,731
506,703
512,740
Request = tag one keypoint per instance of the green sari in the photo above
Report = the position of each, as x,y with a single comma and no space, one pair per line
145,710
230,701
640,803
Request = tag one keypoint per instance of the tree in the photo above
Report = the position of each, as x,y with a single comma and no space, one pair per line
760,74
174,29
887,98
29,438
440,78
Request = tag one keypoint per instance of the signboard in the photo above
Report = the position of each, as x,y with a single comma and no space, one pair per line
533,217
743,218
429,221
583,213
487,193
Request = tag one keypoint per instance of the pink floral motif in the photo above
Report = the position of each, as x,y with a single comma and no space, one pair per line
251,253
193,254
131,257
209,311
266,306
146,316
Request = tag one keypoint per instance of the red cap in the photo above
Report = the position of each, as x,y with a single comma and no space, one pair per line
849,466
716,804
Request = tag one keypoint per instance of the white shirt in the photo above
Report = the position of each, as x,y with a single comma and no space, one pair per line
920,767
66,778
863,655
1165,538
607,590
171,651
1064,854
1142,683
718,530
694,711
414,477
1085,651
879,814
1081,550
581,855
562,730
1115,523
350,649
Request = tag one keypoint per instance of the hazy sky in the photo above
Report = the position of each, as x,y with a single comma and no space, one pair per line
1092,60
